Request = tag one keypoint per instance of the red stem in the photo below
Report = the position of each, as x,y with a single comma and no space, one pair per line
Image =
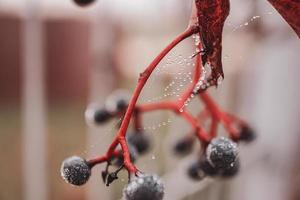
203,115
196,75
166,105
120,137
135,111
201,133
177,106
102,159
213,128
219,115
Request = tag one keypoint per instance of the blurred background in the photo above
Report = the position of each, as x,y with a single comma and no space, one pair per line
57,58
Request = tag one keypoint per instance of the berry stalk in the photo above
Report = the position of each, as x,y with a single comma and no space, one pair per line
120,138
206,23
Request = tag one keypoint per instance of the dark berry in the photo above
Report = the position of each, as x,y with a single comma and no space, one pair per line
184,146
232,171
75,170
202,168
207,168
118,161
101,116
247,134
117,101
122,104
145,187
83,2
140,141
222,153
97,116
195,172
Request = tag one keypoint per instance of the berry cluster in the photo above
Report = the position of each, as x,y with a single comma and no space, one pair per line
218,155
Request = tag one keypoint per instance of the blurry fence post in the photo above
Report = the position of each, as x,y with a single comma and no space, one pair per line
102,82
33,106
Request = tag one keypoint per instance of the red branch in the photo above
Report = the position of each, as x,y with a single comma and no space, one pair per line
179,106
176,106
120,137
102,159
207,21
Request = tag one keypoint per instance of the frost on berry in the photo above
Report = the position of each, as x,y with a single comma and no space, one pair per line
75,170
145,187
222,153
232,171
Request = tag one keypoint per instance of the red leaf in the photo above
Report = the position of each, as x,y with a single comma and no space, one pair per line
290,11
211,17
